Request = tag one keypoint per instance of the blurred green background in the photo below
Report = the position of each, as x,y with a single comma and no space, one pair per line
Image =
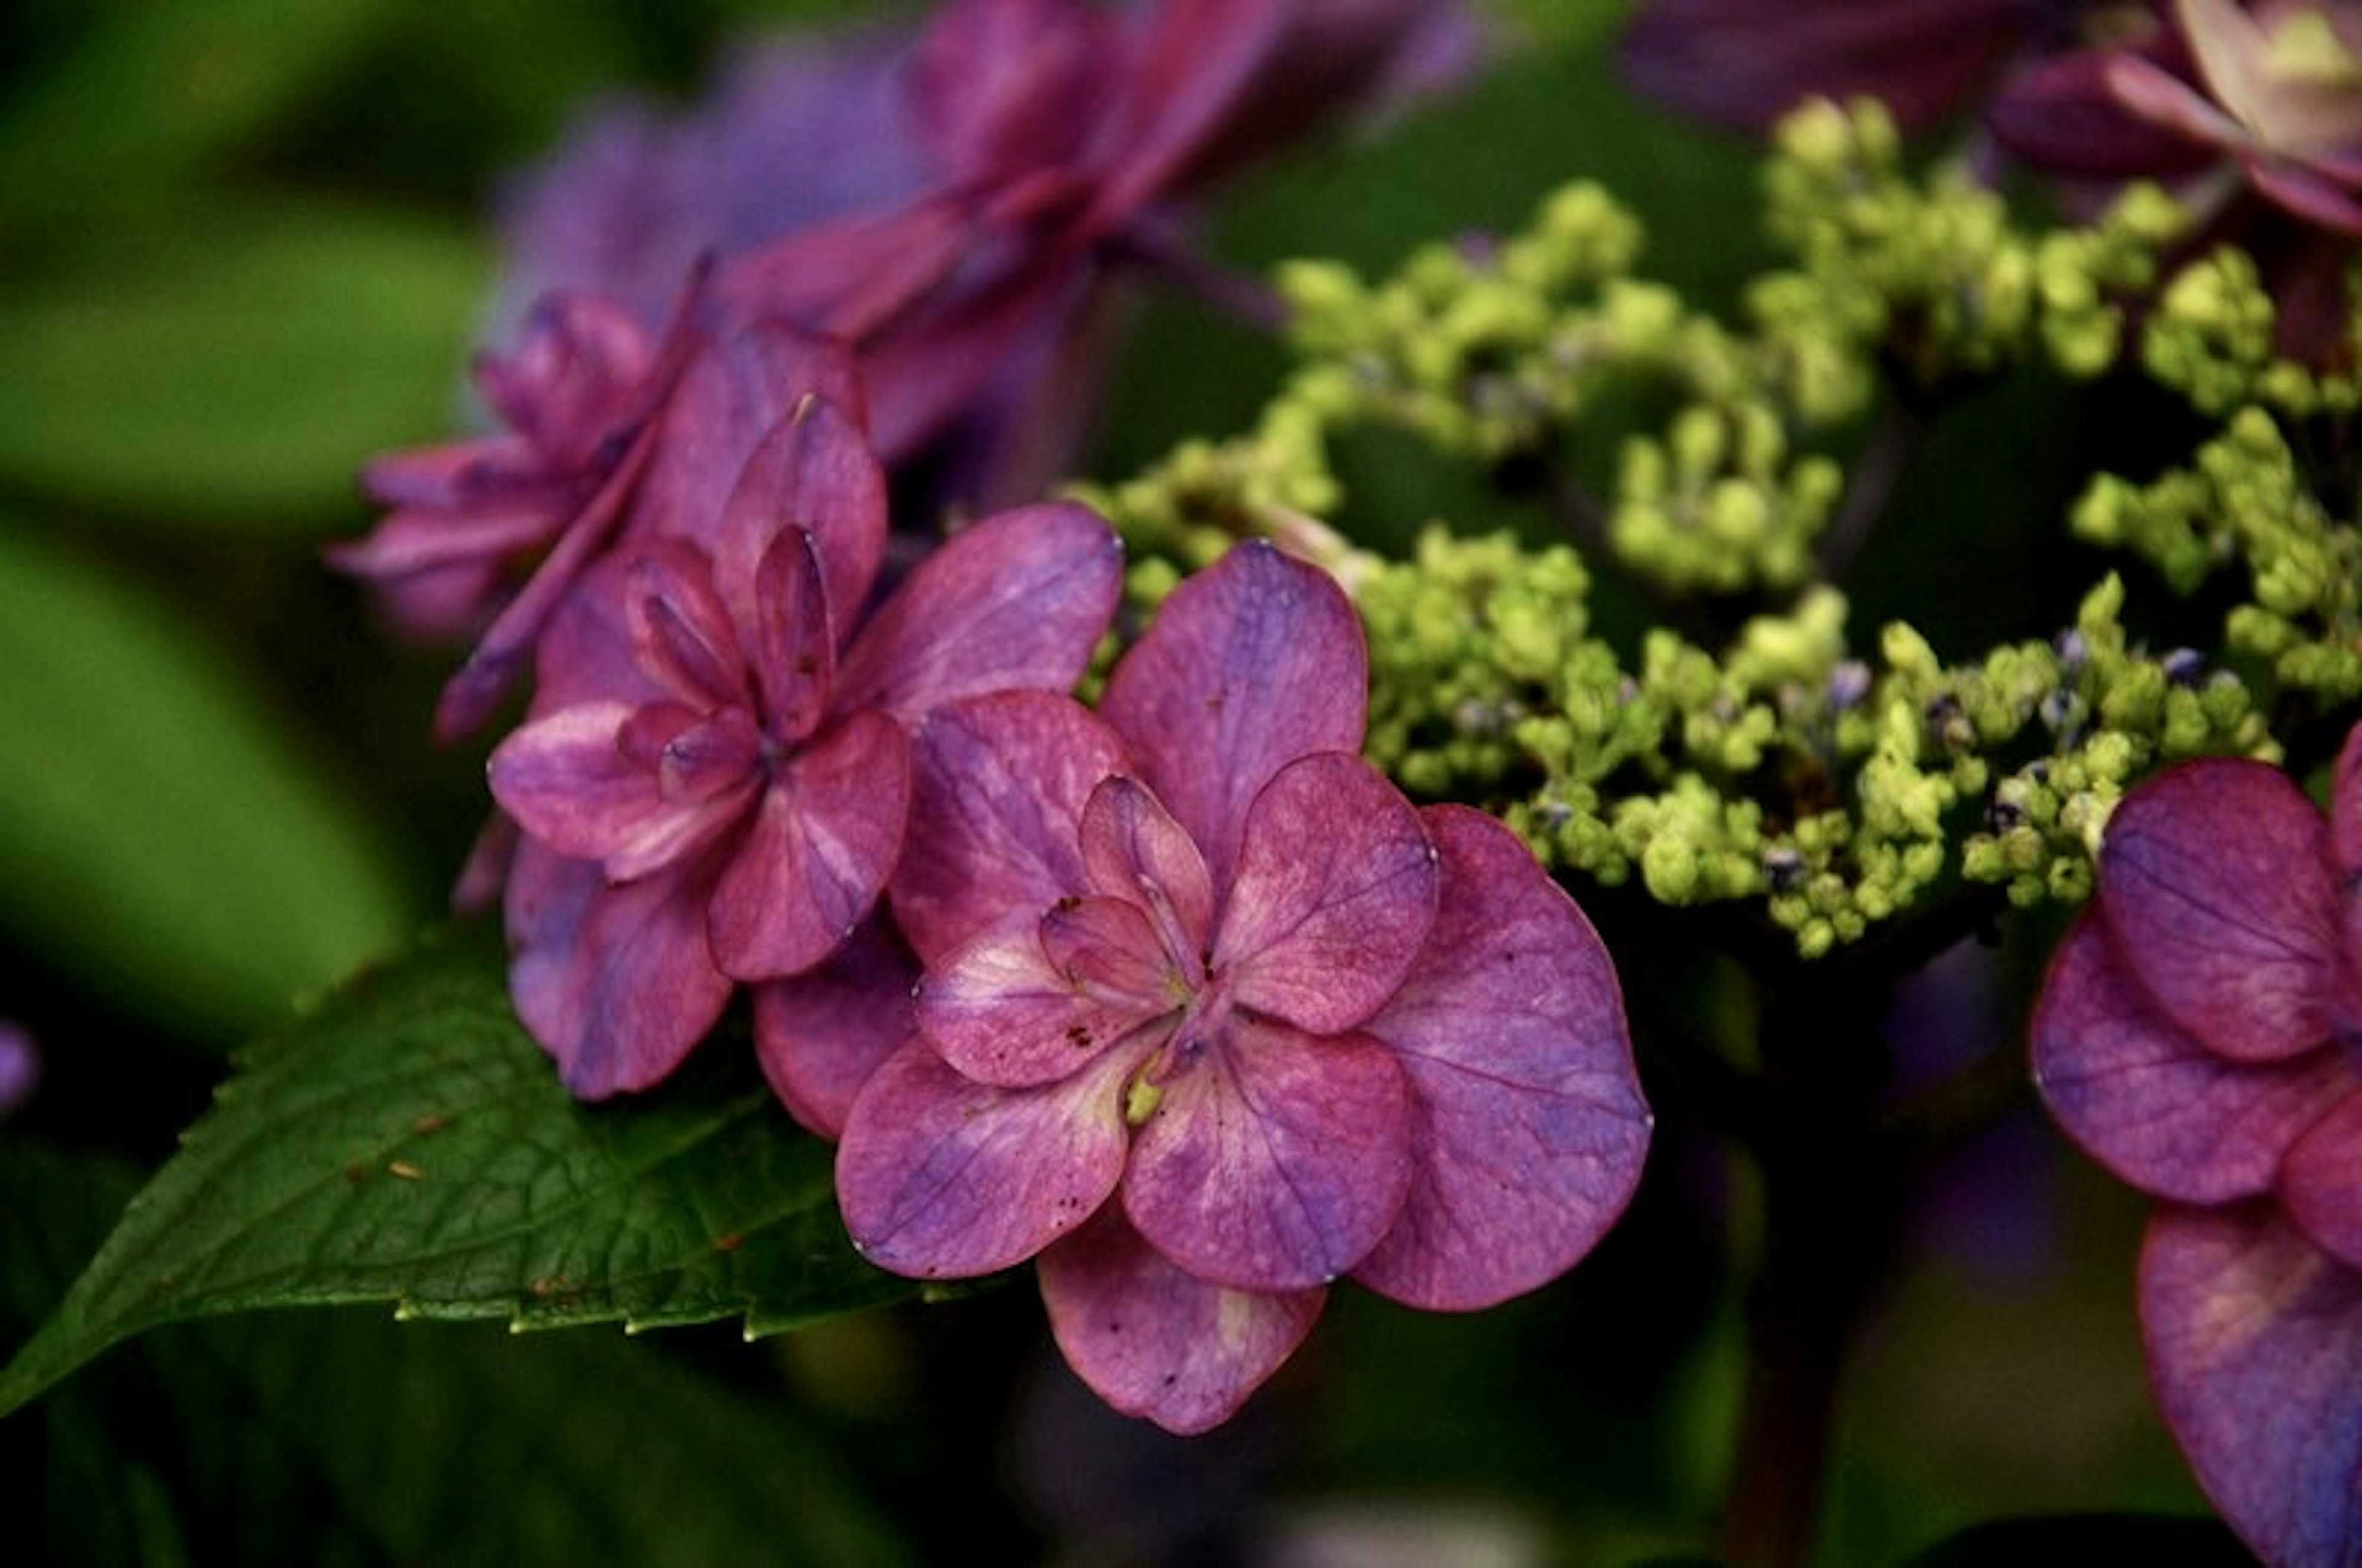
243,246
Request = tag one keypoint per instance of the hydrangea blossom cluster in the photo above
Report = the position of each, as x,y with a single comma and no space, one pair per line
2198,1034
1212,1015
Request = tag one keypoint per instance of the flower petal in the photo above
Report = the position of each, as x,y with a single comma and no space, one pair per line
1132,849
615,983
2321,1184
815,471
1275,1160
1251,664
2150,1102
795,636
2215,879
943,1177
681,636
1002,1011
2254,1347
1017,601
821,1034
567,781
823,843
997,787
1335,892
1528,1126
1153,1341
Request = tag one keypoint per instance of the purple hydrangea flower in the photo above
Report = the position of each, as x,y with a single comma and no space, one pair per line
2200,1033
712,785
950,198
1212,1015
610,436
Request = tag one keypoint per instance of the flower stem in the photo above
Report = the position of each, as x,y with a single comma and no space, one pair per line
1827,1230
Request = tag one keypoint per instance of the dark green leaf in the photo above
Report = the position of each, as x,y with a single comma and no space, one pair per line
410,1145
329,1437
233,366
158,830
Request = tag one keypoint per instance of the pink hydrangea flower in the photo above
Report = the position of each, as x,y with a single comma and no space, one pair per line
1212,1016
611,436
2200,1033
714,783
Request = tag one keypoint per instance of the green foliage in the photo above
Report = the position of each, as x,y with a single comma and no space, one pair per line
409,1145
234,875
333,1437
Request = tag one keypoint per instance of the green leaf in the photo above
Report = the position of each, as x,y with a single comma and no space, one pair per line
146,95
411,1144
326,1437
158,830
231,368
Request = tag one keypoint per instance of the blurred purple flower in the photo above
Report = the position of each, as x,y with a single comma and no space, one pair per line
712,788
1747,63
1212,1015
2200,1035
21,1065
950,197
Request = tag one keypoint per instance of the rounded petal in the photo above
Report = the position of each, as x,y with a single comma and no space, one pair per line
1334,893
1018,601
567,781
2151,1103
818,853
1252,663
1275,1160
615,982
1002,1011
2321,1182
681,636
1134,850
2254,1347
998,785
943,1177
2215,878
821,1034
1527,1127
1153,1341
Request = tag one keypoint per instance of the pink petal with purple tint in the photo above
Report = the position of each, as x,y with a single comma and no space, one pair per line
681,634
998,785
1017,601
1197,60
1252,663
1002,1011
1335,890
818,853
941,1177
2153,1104
2305,191
814,471
1134,850
1528,1126
1153,1341
796,663
2321,1183
1276,1160
2213,877
2254,1347
820,1035
568,782
615,982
